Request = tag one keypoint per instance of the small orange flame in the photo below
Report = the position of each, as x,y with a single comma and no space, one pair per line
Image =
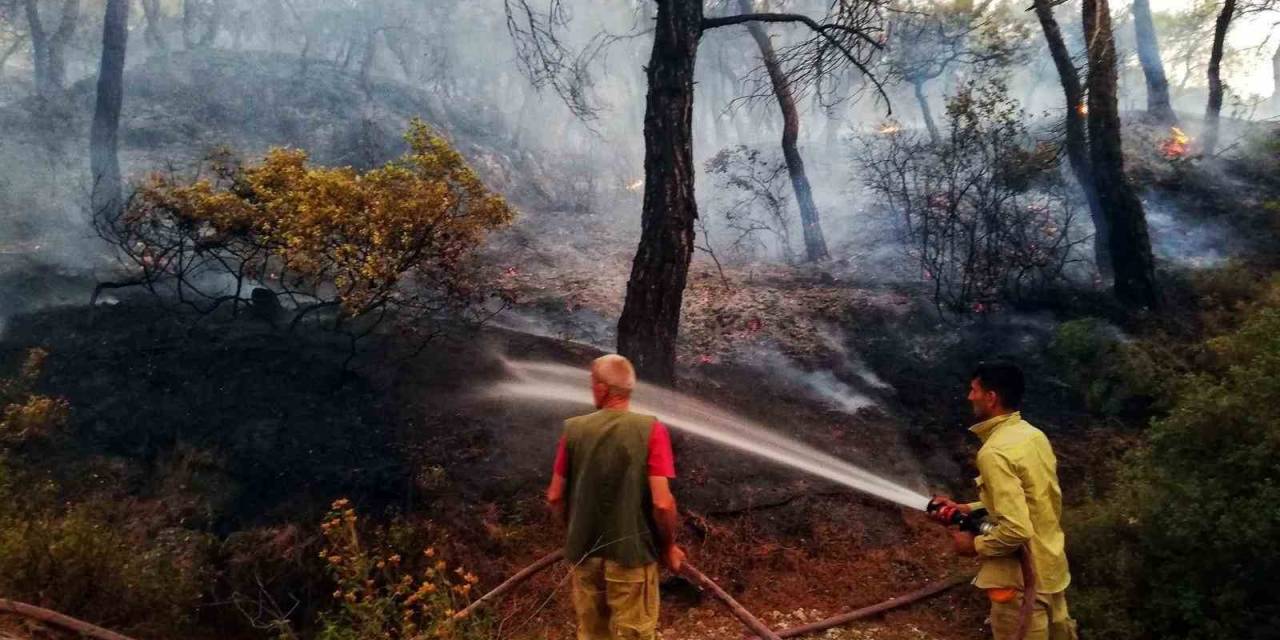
889,128
635,186
1083,109
1176,145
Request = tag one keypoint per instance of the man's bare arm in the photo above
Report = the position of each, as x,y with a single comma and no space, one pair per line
667,519
555,498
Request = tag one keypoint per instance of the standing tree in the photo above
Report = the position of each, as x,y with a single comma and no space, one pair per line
1214,109
48,50
1131,258
153,34
1076,139
1275,80
104,163
927,39
1158,106
815,244
650,319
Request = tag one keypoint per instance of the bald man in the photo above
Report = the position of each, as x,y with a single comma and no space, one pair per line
611,487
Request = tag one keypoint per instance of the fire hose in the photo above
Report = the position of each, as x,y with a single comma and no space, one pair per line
759,630
60,620
976,522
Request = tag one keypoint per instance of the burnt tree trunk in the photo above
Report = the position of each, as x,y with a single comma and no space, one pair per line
48,50
650,319
1132,261
1214,110
926,113
1076,140
815,244
1158,106
104,163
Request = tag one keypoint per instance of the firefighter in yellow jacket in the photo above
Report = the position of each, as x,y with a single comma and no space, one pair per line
1018,486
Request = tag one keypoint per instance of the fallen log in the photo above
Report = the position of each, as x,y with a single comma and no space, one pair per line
875,609
512,582
60,620
736,609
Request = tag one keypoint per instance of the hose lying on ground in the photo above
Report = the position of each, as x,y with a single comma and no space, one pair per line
62,621
875,609
738,610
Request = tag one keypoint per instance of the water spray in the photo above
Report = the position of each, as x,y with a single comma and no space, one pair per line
562,383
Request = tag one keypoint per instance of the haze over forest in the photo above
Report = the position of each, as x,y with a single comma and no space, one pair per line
295,296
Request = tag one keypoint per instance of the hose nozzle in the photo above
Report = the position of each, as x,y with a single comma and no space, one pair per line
974,522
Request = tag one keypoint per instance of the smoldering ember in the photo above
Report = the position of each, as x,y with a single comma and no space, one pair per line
638,319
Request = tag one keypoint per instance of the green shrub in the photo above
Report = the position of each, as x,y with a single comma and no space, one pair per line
95,559
1185,544
1116,376
84,561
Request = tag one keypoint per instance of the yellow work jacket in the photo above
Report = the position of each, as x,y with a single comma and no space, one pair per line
1018,485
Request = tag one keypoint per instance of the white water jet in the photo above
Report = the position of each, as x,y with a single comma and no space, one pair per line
562,383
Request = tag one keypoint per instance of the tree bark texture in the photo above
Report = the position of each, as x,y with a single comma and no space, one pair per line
926,113
1135,282
815,244
1214,109
650,321
104,163
1076,140
48,50
1159,107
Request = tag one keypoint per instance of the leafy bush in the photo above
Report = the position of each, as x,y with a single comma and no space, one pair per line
754,189
283,235
1115,375
1186,542
389,586
25,414
87,561
985,213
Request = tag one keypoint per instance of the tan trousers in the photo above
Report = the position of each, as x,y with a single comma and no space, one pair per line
1050,619
614,602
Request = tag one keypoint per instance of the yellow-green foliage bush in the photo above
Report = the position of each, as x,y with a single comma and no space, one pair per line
390,240
1185,546
390,586
25,414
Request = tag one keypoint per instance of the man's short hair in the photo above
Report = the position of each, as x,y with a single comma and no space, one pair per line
616,372
1005,379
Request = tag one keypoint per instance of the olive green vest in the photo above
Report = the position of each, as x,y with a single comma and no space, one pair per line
609,503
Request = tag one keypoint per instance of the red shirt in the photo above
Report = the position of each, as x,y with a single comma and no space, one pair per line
662,462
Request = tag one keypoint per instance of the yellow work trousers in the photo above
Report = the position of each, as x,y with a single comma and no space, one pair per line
1050,619
615,602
